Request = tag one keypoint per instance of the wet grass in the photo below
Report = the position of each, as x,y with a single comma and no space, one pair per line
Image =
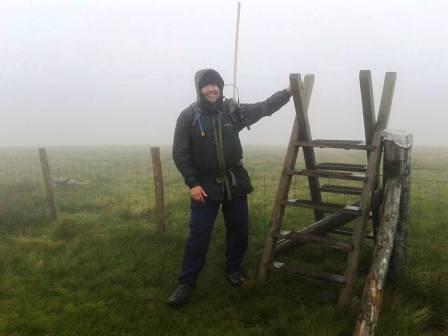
104,270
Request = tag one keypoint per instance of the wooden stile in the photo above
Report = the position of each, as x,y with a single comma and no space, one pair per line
361,211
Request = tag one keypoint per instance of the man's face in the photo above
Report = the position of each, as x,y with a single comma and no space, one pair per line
211,92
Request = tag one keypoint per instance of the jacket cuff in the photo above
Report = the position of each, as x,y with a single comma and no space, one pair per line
286,94
191,182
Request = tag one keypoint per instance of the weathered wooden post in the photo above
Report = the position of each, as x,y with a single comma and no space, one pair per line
51,199
397,162
391,245
158,188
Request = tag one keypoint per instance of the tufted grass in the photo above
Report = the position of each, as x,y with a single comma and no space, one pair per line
104,270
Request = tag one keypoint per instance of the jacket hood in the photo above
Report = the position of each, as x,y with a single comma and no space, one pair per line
198,77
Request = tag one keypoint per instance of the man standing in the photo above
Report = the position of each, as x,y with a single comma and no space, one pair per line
208,153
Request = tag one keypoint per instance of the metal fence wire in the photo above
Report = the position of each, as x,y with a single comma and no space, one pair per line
22,193
95,184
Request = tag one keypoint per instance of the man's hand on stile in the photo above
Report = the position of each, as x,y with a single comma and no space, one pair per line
198,194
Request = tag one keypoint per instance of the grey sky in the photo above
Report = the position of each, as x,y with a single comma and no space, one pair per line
103,72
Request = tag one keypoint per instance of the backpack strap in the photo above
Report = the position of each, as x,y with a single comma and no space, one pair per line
197,117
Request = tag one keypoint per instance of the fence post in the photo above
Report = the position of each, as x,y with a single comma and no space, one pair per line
158,188
51,199
390,253
374,288
397,162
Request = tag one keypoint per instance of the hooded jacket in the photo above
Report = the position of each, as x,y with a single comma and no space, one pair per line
195,150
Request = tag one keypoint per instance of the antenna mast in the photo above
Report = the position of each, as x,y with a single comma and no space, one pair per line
235,58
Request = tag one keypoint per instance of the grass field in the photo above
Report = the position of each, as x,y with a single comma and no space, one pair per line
104,270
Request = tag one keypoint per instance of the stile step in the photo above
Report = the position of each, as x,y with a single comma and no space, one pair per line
341,144
351,176
346,232
316,275
314,239
325,207
338,189
362,168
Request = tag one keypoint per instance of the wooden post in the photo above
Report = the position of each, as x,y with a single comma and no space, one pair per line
397,162
51,199
391,247
285,180
368,106
158,188
374,288
360,226
304,130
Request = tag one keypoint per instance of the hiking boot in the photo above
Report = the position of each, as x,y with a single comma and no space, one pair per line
235,279
180,296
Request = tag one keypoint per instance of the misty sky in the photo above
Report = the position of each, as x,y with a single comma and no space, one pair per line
119,72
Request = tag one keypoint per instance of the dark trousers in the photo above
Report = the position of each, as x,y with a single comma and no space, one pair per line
203,216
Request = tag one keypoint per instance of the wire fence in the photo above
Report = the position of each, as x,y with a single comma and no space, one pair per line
100,184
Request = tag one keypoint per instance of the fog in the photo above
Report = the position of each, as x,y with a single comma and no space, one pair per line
102,72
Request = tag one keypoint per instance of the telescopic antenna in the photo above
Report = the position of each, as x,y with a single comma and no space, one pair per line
235,58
